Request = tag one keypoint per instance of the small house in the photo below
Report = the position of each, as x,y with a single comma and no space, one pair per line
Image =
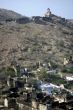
69,78
46,88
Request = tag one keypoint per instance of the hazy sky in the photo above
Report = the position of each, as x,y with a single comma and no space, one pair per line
63,8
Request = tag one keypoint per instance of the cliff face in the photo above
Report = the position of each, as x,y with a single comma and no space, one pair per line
36,39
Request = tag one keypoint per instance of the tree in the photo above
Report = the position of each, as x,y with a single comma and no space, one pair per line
9,71
42,74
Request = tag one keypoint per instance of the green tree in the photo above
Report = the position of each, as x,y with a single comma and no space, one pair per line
42,74
9,71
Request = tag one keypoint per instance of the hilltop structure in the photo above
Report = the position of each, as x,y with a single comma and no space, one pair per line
48,13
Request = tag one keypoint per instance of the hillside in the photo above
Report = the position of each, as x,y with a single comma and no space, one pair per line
39,39
8,14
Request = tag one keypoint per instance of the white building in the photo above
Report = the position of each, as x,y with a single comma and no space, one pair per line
48,13
69,78
46,88
6,102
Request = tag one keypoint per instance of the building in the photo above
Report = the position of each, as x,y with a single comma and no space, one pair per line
48,13
46,88
69,78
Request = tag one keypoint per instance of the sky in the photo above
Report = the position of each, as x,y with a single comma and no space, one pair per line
63,8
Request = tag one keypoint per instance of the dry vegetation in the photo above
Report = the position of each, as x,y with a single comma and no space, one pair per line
31,42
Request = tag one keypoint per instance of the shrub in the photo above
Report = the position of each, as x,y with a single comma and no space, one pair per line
67,69
10,72
42,74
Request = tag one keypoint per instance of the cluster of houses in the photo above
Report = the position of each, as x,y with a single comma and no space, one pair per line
26,92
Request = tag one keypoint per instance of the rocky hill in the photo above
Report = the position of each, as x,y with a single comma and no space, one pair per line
8,14
27,41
